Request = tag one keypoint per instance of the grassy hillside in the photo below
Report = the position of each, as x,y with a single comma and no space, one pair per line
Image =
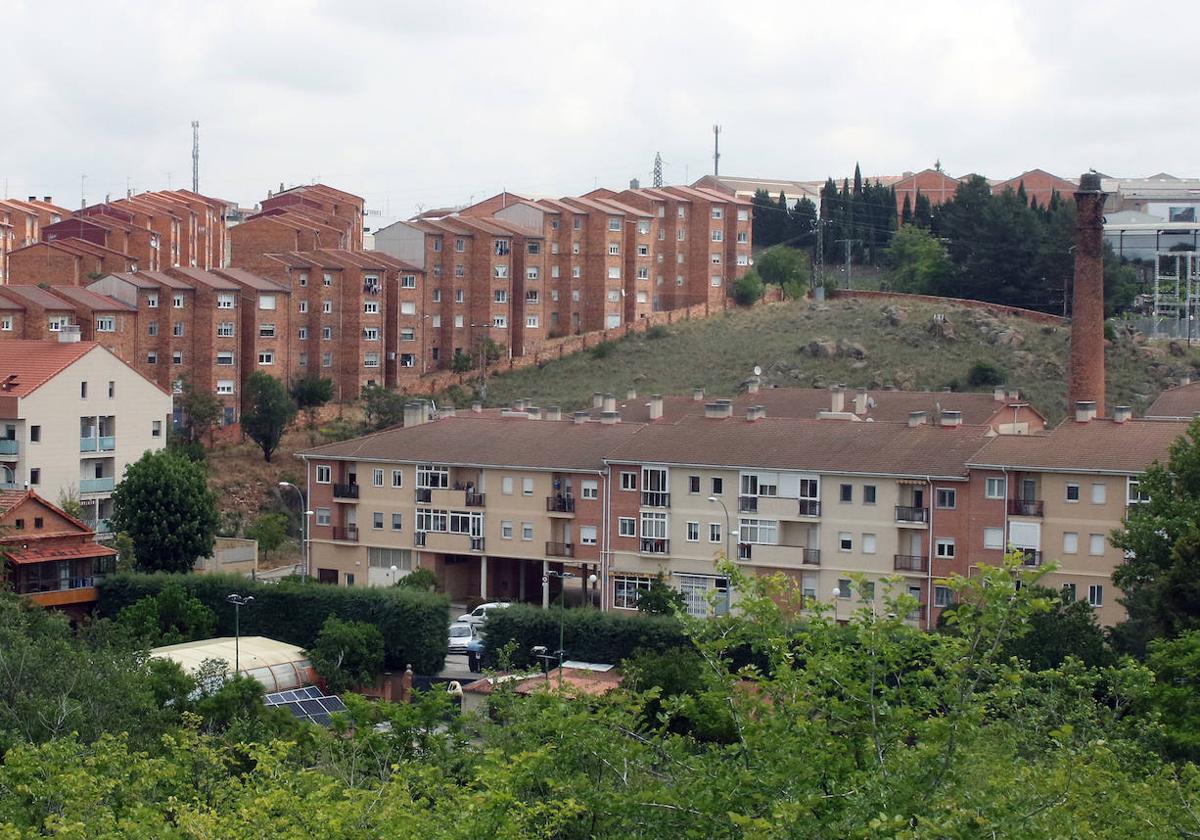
797,344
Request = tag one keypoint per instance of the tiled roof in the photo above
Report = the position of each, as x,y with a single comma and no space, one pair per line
203,278
48,553
808,445
37,362
91,300
489,441
35,295
9,499
1180,401
1103,446
163,279
251,280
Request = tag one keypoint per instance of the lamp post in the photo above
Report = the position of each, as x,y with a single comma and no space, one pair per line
303,529
395,569
238,602
715,500
562,612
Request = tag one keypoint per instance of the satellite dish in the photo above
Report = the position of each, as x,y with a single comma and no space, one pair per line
757,370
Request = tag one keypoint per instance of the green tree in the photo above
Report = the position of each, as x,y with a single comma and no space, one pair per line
917,262
422,579
783,266
267,411
985,375
310,393
199,412
270,530
748,288
165,506
1069,628
382,408
347,654
660,599
68,501
1174,696
461,362
171,617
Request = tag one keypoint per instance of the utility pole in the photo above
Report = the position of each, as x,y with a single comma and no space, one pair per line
820,223
716,150
82,191
849,276
195,156
658,181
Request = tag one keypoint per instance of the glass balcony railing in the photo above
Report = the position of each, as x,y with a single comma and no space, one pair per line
96,485
88,444
108,443
9,446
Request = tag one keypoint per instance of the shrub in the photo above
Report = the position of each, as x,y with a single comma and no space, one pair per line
420,579
588,634
984,374
748,289
603,350
347,654
656,332
270,530
414,625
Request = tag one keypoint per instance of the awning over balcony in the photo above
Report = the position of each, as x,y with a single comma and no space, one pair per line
49,554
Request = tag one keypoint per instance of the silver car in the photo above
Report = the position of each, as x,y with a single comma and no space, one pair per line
461,633
477,615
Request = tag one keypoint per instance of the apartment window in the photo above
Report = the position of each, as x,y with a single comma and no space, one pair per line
437,295
326,279
458,322
627,590
575,295
531,321
177,301
716,280
371,307
589,489
1096,545
397,478
846,493
1070,542
554,271
83,390
718,486
408,307
435,321
106,324
177,329
326,360
743,237
152,358
844,588
302,360
994,488
408,281
177,357
947,499
629,481
1072,492
501,296
577,222
643,250
324,474
35,434
506,485
152,301
715,258
437,245
266,357
501,247
868,543
531,273
944,548
500,322
303,307
225,387
993,538
302,333
225,301
614,249
224,358
459,296
225,329
506,530
1069,591
323,516
370,333
845,541
266,330
626,526
397,522
371,360
156,428
326,333
1099,493
501,272
527,532
327,307
266,301
377,520
717,235
642,297
526,486
694,484
576,272
614,296
376,478
614,272
152,328
693,532
1096,595
943,596
303,278
643,273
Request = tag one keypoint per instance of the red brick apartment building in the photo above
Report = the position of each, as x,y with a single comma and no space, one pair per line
332,208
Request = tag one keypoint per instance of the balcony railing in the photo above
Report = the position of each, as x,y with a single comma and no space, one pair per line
419,539
477,543
424,495
747,504
559,549
346,534
108,443
811,557
87,444
912,514
655,545
476,499
808,556
33,587
345,491
100,526
9,446
1030,556
1025,507
96,485
911,563
560,504
655,498
810,507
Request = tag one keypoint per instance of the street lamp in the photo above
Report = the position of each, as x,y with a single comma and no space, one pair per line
562,612
238,602
715,500
395,569
303,529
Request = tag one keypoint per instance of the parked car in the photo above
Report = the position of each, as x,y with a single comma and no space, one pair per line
477,615
461,634
475,655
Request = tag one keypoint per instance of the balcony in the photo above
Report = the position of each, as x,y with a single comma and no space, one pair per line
9,446
810,507
1030,557
477,543
36,586
559,549
476,499
560,504
655,545
419,539
108,443
100,526
88,444
1025,507
747,504
347,534
781,554
655,498
96,485
910,563
424,495
913,515
345,491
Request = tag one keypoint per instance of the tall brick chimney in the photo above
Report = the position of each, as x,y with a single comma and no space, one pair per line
1085,372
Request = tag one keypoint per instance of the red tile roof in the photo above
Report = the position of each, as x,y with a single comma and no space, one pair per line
1182,401
36,296
48,553
90,300
1098,446
37,362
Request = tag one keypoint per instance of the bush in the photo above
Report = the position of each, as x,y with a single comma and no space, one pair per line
420,579
603,350
270,530
414,625
748,289
588,634
984,374
657,332
347,654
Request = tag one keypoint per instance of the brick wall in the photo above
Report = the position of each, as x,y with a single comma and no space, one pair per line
994,308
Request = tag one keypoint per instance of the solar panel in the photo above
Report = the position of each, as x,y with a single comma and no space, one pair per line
308,704
333,704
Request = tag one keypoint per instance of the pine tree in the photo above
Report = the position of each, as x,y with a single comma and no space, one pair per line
1021,193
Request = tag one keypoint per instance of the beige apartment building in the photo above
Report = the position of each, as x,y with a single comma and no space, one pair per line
73,416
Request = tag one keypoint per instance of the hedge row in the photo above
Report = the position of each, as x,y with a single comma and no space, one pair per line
589,635
415,625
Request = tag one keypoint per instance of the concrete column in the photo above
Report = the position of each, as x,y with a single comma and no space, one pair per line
545,584
521,580
483,577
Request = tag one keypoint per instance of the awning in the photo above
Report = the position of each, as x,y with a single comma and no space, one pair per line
25,557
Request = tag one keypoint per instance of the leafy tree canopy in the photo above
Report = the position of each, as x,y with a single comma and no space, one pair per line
267,411
347,654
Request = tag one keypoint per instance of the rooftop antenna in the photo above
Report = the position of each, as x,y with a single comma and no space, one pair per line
82,191
195,156
658,161
716,150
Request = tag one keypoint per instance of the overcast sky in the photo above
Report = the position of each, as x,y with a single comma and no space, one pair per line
427,104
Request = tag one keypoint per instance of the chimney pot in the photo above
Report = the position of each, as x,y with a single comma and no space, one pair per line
656,406
476,407
698,394
837,402
553,413
1185,380
1122,413
519,405
580,417
916,418
610,403
1085,410
631,394
860,401
755,412
597,399
951,418
718,409
32,198
998,394
610,418
752,385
